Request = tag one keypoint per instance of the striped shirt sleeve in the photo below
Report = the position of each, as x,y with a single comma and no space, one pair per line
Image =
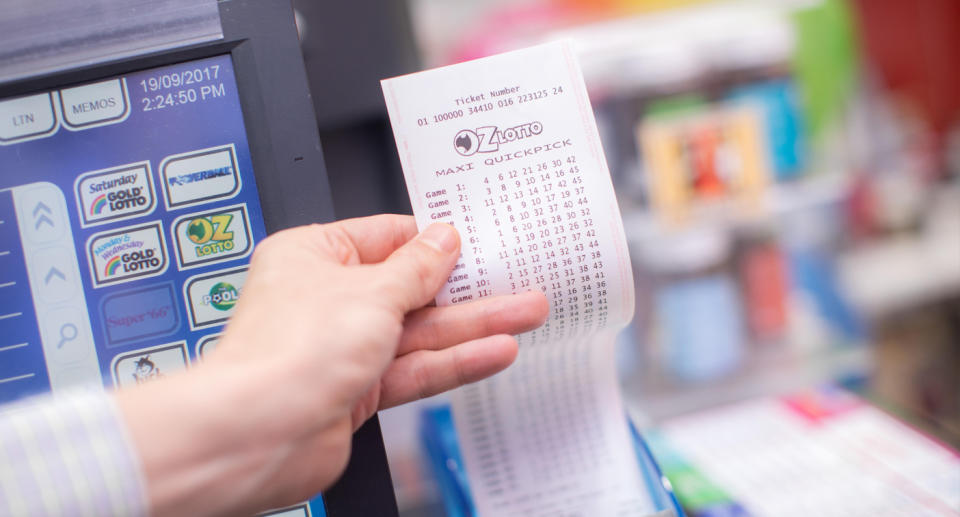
68,455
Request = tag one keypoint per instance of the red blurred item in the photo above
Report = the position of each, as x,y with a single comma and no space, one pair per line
765,285
706,178
915,47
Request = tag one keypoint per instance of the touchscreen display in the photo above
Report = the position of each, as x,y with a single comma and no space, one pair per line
128,211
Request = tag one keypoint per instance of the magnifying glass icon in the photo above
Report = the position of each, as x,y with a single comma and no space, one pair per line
68,332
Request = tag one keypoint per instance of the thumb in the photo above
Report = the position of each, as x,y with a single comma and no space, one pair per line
416,270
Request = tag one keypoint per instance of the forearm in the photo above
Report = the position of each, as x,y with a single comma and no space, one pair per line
192,458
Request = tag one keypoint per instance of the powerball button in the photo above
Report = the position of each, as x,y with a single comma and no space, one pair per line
94,104
200,176
211,297
27,118
147,364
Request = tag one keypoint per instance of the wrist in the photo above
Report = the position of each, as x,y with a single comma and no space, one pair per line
195,449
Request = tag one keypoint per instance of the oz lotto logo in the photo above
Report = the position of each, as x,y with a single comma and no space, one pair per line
487,139
222,296
212,236
126,254
115,194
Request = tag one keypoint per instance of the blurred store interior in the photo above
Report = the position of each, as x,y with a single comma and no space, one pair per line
788,173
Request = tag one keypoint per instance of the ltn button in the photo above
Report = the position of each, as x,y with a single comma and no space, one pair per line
27,118
93,105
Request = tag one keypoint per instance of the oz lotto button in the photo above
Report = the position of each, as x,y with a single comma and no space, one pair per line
127,254
211,297
115,194
212,236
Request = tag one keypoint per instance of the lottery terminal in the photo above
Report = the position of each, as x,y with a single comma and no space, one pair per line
146,149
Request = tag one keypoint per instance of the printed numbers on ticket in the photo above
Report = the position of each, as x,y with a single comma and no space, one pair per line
506,150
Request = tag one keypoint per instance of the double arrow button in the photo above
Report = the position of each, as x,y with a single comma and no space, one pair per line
43,210
41,216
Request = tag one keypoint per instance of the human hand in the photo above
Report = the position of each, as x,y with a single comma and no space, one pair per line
331,326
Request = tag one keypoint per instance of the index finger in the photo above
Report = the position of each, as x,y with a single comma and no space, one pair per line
376,237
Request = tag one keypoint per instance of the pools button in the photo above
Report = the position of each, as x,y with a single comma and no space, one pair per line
211,297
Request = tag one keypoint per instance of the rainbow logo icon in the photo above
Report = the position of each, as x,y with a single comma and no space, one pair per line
112,266
97,206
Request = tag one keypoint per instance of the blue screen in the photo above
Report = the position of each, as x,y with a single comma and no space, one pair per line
128,212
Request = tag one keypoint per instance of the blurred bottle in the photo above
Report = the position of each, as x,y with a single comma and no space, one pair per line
763,278
698,318
810,238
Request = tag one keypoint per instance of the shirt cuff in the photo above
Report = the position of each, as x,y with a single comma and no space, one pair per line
68,455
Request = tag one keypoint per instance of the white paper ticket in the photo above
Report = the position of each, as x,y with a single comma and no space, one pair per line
506,150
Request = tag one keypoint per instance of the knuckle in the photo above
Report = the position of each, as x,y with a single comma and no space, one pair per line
420,269
432,334
458,368
338,243
421,382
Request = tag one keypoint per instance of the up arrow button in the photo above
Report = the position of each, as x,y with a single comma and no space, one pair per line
94,105
54,273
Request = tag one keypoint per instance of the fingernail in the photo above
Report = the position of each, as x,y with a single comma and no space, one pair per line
441,237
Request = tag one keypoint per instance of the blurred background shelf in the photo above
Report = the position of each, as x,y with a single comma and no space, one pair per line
788,174
771,372
911,270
